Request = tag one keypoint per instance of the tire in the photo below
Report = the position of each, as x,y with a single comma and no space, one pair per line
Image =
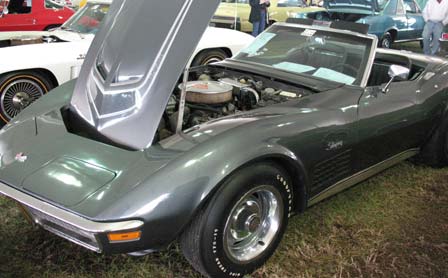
209,56
386,40
18,90
208,243
435,152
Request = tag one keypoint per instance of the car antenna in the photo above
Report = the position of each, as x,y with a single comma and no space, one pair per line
183,94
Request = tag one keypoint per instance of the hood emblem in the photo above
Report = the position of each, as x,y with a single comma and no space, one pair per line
21,157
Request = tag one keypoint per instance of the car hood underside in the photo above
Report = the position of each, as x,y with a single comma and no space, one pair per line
128,77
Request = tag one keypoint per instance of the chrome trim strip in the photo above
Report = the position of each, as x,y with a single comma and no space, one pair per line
68,217
361,176
408,40
72,239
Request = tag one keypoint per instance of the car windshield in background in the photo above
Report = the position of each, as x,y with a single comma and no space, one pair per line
53,5
324,54
88,20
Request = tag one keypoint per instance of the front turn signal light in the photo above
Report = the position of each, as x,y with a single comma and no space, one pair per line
123,237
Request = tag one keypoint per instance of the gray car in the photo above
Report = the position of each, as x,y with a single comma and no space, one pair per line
134,155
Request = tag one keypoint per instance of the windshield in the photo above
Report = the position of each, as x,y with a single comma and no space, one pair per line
88,19
324,54
53,5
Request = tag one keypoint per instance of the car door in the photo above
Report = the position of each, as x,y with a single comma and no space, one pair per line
20,16
389,122
401,22
416,23
233,14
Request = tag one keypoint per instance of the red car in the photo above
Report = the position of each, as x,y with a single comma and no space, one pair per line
32,15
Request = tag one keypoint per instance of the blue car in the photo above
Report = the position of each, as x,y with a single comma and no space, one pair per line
391,21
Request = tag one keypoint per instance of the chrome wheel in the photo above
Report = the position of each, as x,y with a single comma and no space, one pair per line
253,224
18,95
386,41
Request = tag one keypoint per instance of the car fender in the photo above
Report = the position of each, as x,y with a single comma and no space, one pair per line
172,195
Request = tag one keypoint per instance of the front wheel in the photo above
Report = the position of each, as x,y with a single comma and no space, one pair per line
242,225
209,56
386,40
18,90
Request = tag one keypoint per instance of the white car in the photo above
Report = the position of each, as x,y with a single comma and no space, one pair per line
35,62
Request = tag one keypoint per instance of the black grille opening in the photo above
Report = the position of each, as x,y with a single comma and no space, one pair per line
78,126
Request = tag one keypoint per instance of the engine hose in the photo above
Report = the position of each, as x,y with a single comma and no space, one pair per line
254,92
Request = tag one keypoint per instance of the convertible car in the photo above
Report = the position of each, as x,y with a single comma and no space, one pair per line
392,21
234,14
134,154
35,62
35,15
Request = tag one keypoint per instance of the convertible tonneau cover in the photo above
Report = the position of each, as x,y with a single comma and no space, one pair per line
134,64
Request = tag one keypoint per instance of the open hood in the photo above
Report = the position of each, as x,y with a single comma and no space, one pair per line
362,5
134,63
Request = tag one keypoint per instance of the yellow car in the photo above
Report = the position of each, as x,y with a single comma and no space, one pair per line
234,14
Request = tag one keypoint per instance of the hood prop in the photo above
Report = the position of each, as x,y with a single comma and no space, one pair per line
183,95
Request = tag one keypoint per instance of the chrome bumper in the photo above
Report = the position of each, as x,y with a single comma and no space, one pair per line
65,224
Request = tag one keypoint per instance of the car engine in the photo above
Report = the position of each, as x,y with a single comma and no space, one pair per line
212,94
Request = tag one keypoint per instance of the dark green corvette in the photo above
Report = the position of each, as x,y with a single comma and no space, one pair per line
129,158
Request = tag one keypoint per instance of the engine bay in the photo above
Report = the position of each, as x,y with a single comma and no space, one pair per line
213,93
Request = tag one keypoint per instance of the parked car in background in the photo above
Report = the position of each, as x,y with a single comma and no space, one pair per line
33,63
35,15
392,21
135,155
234,14
444,42
70,3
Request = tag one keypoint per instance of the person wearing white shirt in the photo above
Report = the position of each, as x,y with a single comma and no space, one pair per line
435,14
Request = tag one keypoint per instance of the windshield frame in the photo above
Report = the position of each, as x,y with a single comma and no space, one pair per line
370,56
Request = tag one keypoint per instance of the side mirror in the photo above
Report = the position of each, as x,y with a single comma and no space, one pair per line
396,72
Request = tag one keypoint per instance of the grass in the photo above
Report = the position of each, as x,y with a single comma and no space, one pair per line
394,225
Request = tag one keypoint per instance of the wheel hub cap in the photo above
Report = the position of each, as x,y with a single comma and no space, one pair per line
253,224
21,100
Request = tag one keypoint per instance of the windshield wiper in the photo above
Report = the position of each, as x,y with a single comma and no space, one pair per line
72,30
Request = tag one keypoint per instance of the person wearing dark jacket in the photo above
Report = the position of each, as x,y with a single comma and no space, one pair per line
258,14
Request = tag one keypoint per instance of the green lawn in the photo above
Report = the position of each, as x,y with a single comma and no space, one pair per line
394,225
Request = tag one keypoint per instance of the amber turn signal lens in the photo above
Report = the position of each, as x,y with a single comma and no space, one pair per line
117,237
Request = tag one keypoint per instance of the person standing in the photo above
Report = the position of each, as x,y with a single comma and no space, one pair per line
258,15
435,14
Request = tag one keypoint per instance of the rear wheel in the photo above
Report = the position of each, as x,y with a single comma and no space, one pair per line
18,90
242,225
386,40
209,56
435,152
